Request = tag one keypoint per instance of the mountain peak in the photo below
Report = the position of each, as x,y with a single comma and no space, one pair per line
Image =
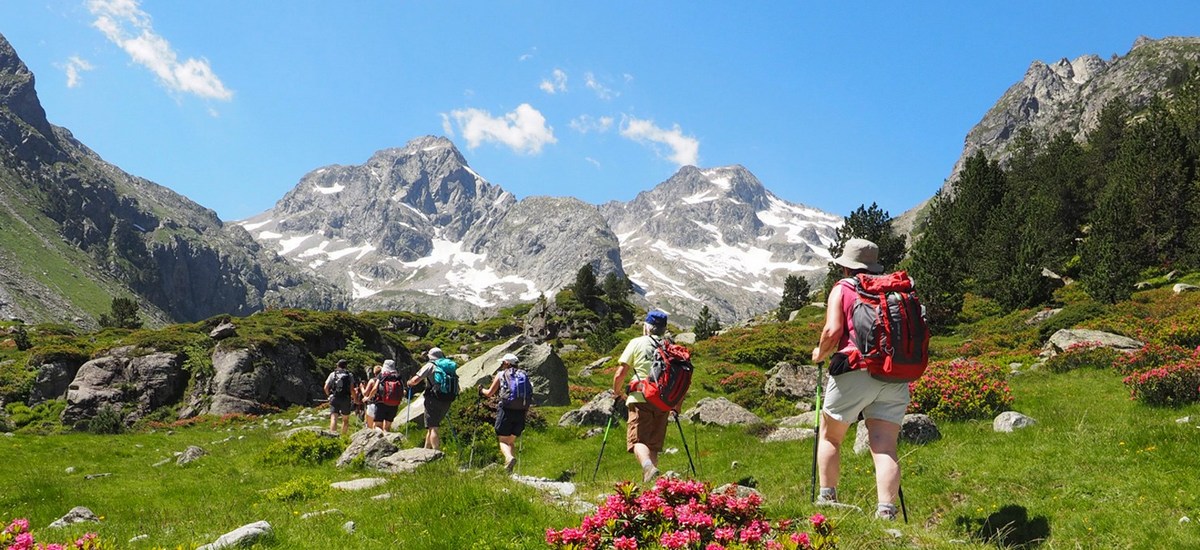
17,90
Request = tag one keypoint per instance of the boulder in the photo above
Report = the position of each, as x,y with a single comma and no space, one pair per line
1066,338
253,380
1041,316
790,434
190,455
360,484
806,420
789,381
546,370
721,412
1008,421
1180,288
862,441
135,384
242,536
587,371
78,514
919,429
223,331
52,381
685,339
374,445
739,491
408,460
322,432
596,412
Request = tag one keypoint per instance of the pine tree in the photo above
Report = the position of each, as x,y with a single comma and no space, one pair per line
937,268
617,288
707,325
586,290
1110,263
123,314
795,296
873,224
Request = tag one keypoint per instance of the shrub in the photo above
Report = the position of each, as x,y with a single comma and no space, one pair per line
1083,354
108,420
301,488
962,389
303,448
764,355
686,514
17,536
1070,317
1150,356
741,380
1170,385
1183,331
582,394
43,418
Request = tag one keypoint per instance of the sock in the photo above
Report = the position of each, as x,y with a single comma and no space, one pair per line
829,493
647,464
886,507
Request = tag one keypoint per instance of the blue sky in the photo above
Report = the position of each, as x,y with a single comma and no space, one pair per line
231,102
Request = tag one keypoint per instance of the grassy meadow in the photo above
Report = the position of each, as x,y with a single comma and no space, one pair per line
1099,470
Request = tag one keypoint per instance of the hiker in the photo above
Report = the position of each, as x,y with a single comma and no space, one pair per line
851,392
366,390
386,393
339,387
647,425
516,394
437,403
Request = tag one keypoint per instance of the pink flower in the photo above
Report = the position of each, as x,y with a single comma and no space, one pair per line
817,520
53,547
19,525
724,533
625,543
673,540
801,540
772,545
24,541
714,546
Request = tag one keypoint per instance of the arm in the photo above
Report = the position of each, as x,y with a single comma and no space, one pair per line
416,379
493,388
618,385
835,321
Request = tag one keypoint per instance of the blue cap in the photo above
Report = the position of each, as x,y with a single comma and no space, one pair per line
656,318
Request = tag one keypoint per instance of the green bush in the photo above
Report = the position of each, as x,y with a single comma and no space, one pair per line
108,420
1083,354
41,419
302,488
1151,356
764,356
1070,317
301,448
962,389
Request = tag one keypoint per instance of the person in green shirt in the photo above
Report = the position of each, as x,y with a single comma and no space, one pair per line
647,425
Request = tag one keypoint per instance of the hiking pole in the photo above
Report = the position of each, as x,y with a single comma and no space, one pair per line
520,447
685,446
817,436
408,413
695,429
603,442
903,508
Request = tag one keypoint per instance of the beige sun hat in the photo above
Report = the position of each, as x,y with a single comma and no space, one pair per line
860,254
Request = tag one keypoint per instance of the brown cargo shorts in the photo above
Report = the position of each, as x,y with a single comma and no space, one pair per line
647,425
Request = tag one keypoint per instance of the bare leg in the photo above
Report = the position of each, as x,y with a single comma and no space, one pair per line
883,436
829,450
643,454
431,439
333,422
506,446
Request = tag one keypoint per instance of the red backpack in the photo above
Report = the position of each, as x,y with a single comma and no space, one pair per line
890,328
670,376
391,390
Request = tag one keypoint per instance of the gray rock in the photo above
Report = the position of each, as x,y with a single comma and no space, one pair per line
789,381
1184,420
862,441
78,514
739,491
52,381
139,538
242,536
919,429
360,484
349,527
790,434
592,433
1066,338
191,454
587,371
1180,288
223,331
596,412
721,412
1009,421
314,429
1041,316
241,385
806,420
122,380
685,339
308,515
408,460
90,477
70,470
382,496
373,445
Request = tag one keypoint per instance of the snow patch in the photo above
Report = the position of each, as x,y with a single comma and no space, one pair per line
337,188
706,196
286,246
252,226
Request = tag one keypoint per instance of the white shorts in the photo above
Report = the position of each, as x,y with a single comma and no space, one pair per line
850,394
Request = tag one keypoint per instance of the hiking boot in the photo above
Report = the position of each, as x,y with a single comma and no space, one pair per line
649,473
830,501
886,512
510,465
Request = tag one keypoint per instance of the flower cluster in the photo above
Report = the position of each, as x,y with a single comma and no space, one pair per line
1176,384
1152,356
962,389
678,514
17,536
1082,354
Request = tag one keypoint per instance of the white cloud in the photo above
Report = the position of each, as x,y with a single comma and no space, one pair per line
685,150
602,91
587,123
523,130
74,66
594,162
447,127
556,83
125,24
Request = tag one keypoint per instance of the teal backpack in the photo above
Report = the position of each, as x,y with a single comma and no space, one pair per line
445,380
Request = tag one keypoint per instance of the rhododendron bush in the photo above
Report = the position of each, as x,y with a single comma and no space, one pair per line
678,514
17,536
1170,385
962,389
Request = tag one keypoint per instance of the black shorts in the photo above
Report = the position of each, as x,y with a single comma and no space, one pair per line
510,422
385,412
435,411
340,405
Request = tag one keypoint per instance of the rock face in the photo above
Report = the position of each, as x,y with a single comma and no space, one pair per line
117,234
415,228
721,412
596,412
789,381
1067,95
247,381
123,381
53,380
703,237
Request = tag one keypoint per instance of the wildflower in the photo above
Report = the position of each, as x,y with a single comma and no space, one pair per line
625,543
801,540
817,520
